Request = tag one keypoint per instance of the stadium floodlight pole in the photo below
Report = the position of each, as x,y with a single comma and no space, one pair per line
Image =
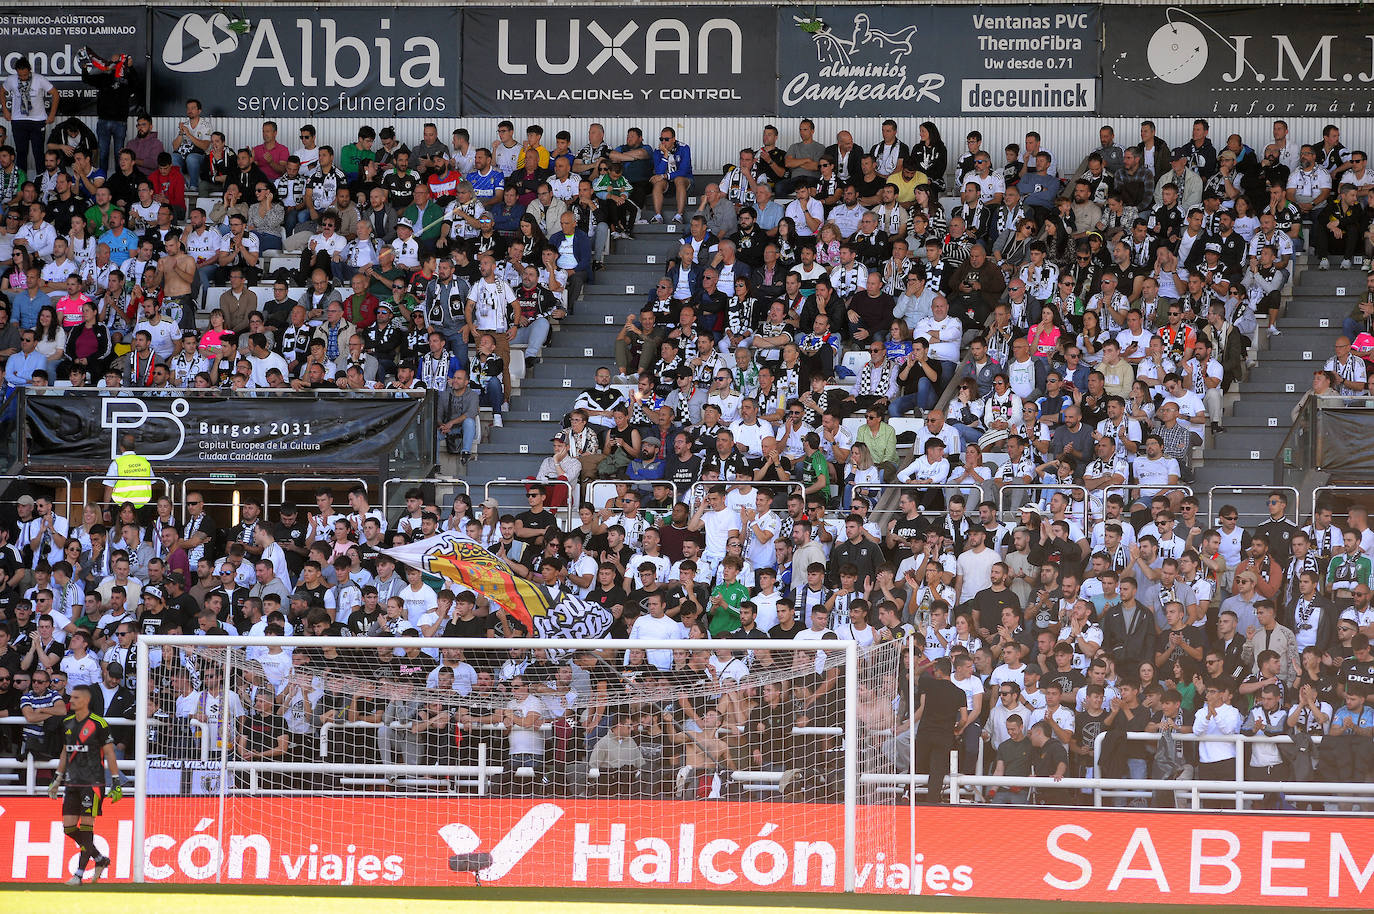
141,760
851,760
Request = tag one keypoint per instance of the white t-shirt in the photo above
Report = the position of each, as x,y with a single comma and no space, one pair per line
1154,473
647,628
976,570
417,603
718,525
32,105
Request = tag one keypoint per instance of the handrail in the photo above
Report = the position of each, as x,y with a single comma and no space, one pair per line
1295,505
436,481
1037,487
632,483
525,483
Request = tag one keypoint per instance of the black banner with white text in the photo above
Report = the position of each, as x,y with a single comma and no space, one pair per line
213,431
597,60
306,61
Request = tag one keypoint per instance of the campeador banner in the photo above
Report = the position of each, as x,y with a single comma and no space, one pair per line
1100,856
211,430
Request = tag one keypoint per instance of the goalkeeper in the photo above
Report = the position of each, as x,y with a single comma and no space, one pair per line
87,751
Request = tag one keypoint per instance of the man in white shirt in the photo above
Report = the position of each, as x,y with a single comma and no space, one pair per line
1217,758
163,333
263,360
974,566
750,430
718,521
807,212
654,625
944,332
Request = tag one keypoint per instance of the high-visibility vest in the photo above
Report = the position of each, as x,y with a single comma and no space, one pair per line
134,484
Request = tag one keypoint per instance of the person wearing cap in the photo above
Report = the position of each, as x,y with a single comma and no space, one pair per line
562,465
1188,182
405,245
649,465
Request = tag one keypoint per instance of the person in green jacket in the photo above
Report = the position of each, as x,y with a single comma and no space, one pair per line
727,596
355,157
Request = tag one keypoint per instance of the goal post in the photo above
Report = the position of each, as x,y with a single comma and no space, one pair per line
533,762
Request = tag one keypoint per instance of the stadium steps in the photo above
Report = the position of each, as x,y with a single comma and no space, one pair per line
1281,373
550,387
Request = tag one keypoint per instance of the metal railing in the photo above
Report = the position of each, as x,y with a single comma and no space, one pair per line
29,767
102,480
594,485
334,483
235,485
568,511
436,482
64,485
1082,503
1294,503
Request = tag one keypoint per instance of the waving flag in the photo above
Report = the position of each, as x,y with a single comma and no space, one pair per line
466,563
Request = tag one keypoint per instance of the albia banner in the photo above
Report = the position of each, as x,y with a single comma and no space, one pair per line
591,61
1262,61
54,37
214,431
1099,856
306,61
883,61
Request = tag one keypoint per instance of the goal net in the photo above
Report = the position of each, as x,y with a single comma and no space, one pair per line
430,762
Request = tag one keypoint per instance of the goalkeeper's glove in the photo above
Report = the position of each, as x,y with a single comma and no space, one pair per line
55,785
117,792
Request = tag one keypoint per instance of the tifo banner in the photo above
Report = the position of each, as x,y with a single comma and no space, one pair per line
650,61
82,429
305,61
466,563
890,60
1201,60
53,38
1099,856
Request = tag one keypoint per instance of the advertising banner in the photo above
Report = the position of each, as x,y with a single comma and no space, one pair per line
918,60
1098,856
53,38
305,61
81,430
1255,61
654,61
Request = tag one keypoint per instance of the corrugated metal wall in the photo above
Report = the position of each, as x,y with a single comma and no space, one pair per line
715,141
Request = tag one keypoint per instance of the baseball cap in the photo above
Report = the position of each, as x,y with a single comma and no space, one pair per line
26,501
560,437
405,222
490,503
654,441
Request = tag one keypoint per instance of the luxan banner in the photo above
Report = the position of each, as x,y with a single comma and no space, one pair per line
882,61
650,61
1310,60
81,430
305,61
1102,857
53,38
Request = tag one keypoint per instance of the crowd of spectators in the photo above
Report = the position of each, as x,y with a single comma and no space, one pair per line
1066,328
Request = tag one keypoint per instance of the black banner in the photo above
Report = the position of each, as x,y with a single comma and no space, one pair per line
888,60
1273,61
304,61
53,41
592,61
80,430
